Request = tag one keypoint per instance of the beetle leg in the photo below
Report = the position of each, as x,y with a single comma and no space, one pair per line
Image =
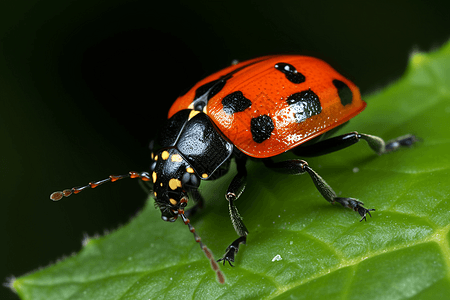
343,141
234,191
297,166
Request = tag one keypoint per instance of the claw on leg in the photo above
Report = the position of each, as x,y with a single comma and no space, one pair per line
355,205
232,250
229,256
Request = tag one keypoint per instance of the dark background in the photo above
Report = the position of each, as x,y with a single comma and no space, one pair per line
85,85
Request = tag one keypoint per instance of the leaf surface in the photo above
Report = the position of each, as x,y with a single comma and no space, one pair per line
299,246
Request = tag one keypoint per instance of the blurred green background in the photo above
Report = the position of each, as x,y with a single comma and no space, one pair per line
85,85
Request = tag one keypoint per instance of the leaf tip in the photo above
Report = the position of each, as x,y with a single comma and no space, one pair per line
10,283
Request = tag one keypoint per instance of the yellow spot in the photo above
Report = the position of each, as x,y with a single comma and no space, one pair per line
174,183
173,201
156,157
155,194
189,170
161,184
176,157
193,114
204,175
153,155
165,155
154,176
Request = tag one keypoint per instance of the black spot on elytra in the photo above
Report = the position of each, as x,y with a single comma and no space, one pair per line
261,128
212,88
304,104
205,92
344,92
235,102
290,72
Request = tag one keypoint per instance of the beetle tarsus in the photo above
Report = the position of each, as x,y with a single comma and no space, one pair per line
355,205
231,251
405,140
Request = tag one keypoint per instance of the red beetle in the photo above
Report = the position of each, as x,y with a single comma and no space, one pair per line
258,108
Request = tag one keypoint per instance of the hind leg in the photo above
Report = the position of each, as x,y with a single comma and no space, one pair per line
296,166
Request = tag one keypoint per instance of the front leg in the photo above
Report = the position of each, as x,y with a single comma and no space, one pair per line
234,191
296,166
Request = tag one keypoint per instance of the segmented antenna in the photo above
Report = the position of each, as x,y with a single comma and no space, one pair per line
56,196
208,253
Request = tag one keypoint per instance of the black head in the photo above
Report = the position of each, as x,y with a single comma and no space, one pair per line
172,179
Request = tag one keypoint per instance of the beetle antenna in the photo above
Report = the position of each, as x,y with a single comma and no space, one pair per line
208,253
56,196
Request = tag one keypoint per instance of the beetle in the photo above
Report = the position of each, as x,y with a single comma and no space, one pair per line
255,109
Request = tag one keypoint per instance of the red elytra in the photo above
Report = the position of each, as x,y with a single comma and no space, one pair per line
268,89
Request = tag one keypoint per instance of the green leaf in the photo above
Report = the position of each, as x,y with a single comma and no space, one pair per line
402,252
